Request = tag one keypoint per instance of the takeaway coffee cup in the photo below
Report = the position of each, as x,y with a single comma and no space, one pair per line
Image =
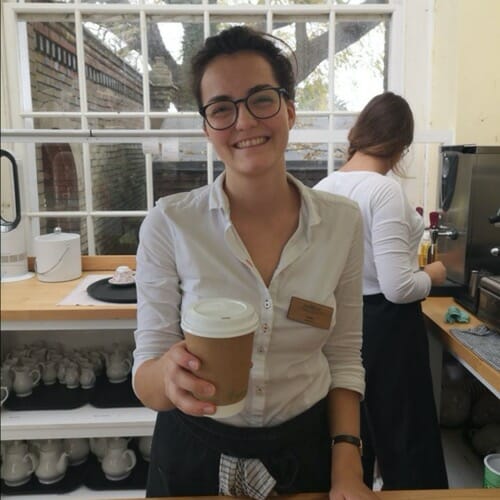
219,332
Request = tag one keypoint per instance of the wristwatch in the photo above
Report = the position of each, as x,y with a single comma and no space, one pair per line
347,438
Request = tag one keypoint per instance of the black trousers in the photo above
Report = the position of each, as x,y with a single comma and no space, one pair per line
399,424
186,451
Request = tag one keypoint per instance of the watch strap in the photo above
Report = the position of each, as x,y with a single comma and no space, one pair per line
347,438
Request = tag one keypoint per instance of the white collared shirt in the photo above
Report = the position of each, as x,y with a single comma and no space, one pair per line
190,250
392,233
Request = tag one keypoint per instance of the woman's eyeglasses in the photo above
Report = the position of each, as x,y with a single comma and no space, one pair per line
262,104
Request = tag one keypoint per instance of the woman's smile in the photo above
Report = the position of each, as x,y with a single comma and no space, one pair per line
250,143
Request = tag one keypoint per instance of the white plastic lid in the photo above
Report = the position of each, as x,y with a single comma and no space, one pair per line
219,318
57,235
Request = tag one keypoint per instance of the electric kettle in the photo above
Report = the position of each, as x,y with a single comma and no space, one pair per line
13,245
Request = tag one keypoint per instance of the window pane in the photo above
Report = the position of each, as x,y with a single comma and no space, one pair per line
338,2
171,44
309,40
118,176
60,177
221,22
307,162
360,61
117,235
53,66
186,170
116,123
113,63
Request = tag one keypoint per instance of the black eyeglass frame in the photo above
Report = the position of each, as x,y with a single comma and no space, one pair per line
280,91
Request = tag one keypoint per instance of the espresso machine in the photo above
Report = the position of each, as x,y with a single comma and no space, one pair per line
468,230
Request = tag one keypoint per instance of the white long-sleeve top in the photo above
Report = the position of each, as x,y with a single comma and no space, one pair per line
190,250
392,233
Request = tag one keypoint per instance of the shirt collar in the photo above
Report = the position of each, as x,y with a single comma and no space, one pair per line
219,200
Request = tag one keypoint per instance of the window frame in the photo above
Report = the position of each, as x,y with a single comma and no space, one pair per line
20,134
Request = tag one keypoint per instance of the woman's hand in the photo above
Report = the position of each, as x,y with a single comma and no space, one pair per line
347,475
351,487
179,368
437,272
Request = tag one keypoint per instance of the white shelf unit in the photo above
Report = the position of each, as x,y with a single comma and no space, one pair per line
86,421
83,493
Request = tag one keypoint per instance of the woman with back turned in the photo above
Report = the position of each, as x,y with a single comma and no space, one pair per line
399,421
259,235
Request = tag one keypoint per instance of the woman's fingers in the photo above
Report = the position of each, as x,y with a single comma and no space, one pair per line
182,386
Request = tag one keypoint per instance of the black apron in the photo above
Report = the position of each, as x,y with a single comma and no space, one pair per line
186,451
399,424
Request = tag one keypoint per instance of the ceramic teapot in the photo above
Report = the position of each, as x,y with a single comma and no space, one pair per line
25,378
53,462
17,465
77,449
68,374
49,372
119,460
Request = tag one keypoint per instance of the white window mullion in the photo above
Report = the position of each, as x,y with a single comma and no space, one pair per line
87,176
331,91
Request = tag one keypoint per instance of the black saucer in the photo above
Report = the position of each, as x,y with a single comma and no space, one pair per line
105,291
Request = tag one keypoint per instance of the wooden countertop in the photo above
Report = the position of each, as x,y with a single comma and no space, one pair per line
434,309
33,300
455,494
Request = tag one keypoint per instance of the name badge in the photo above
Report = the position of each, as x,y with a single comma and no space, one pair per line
310,313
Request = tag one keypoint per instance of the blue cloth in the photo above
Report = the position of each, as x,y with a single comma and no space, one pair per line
456,315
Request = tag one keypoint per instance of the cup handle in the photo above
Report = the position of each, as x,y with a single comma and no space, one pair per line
35,375
31,458
132,459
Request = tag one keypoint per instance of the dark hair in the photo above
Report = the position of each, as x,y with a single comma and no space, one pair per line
384,128
238,39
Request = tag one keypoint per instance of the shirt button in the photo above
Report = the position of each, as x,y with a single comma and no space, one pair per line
265,327
261,350
260,389
268,303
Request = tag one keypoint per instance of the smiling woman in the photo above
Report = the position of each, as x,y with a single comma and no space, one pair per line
256,235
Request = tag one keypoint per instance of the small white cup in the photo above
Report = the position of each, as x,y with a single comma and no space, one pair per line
123,274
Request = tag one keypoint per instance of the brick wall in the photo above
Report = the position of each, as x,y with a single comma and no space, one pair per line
117,170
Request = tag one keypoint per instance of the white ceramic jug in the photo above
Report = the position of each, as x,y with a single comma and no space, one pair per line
77,449
99,447
87,375
17,465
4,394
24,380
119,460
117,368
145,447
